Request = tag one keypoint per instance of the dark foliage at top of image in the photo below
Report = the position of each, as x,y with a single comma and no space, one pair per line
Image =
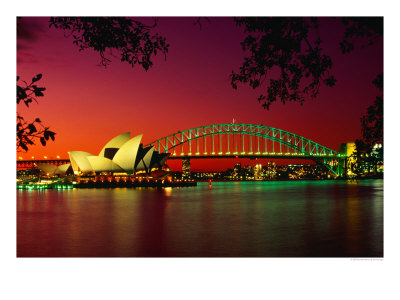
368,30
135,41
287,59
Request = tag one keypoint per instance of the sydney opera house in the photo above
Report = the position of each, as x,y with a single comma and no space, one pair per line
121,155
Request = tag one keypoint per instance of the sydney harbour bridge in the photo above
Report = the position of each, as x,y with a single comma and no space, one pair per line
236,141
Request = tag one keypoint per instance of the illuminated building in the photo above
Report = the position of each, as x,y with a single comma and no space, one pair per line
258,172
237,171
377,154
186,168
121,154
237,167
347,149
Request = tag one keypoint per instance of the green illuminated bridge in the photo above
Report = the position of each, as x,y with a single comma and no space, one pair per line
245,141
236,141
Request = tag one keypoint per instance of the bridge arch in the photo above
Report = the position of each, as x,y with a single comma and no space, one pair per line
295,145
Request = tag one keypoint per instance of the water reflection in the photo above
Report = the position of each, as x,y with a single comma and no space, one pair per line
267,219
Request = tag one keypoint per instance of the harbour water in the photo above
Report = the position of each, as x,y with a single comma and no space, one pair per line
232,219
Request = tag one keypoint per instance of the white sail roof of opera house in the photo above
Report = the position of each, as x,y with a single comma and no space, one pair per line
79,161
126,155
116,142
103,164
62,169
120,154
144,163
52,169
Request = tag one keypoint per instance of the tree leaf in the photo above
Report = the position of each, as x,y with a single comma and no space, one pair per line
23,146
51,134
37,78
38,91
32,128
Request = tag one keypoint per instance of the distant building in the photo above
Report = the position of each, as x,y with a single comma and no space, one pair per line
186,168
258,172
237,170
377,154
347,149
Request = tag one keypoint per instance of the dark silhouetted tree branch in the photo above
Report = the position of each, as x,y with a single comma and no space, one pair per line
368,30
372,122
282,59
199,21
286,57
372,133
28,132
132,39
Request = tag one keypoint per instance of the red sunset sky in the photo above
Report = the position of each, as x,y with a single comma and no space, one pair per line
86,104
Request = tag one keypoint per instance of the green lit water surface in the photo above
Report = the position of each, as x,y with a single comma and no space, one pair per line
232,219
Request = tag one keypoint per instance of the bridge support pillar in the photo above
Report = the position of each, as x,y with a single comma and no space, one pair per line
186,168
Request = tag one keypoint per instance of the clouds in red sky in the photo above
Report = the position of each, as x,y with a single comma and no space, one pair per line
86,104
